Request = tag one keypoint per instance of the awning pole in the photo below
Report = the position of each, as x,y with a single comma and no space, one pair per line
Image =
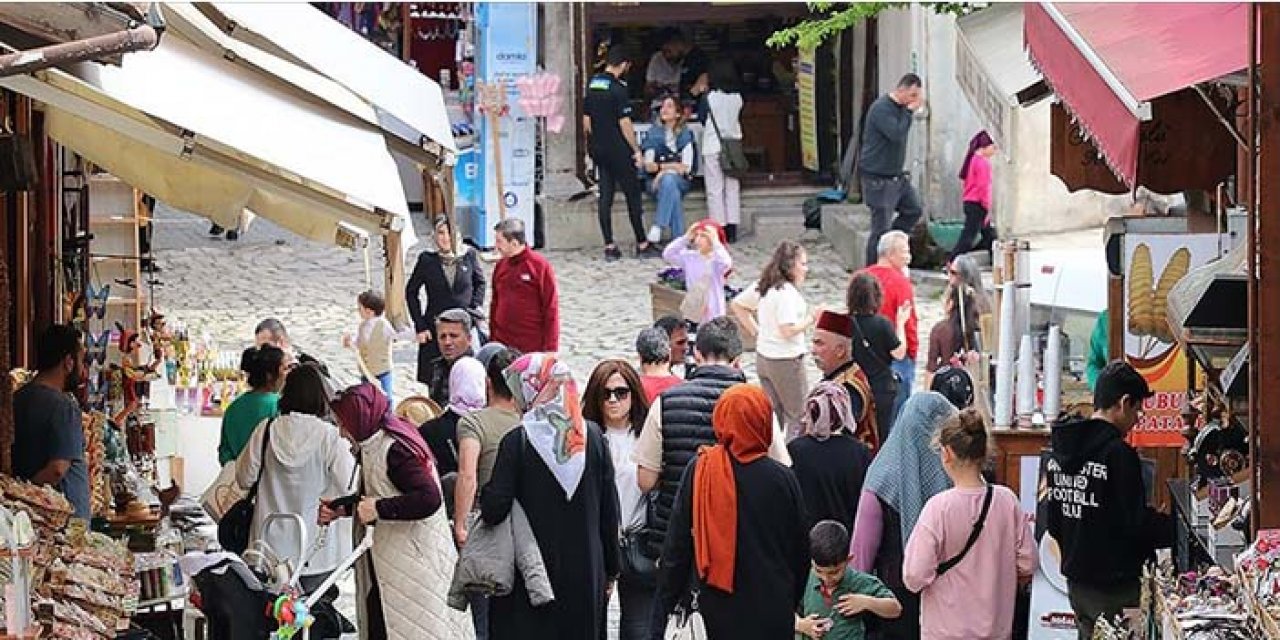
139,38
1212,107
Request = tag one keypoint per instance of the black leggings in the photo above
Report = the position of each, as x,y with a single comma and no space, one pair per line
617,171
975,229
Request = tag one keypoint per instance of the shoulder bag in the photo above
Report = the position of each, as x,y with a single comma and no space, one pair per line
233,529
686,624
637,567
733,161
866,344
947,565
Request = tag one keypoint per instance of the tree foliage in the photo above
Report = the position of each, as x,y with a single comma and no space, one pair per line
835,17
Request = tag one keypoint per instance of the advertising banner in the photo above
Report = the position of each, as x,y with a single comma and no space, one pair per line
1153,264
508,50
807,84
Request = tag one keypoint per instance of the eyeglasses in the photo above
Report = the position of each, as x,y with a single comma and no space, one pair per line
617,393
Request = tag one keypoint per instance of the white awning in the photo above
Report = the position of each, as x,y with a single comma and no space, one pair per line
409,104
993,70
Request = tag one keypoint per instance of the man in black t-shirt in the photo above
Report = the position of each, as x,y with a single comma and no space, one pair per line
615,150
885,186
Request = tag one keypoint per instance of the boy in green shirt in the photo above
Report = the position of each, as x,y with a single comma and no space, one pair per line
836,596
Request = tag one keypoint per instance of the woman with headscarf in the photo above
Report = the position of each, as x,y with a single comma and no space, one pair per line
466,396
402,584
560,471
739,522
975,174
452,278
906,472
829,462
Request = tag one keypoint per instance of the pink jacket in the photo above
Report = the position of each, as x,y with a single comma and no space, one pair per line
977,184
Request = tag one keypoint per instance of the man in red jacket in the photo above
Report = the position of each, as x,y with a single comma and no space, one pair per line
524,310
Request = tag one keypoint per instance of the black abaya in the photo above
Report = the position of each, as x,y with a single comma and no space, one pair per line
771,561
578,539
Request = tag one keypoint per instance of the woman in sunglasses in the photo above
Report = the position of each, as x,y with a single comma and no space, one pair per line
615,400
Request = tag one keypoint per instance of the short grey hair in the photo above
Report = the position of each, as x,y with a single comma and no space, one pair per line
456,316
654,346
889,240
511,230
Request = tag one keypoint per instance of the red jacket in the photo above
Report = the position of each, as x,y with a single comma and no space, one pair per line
897,289
524,311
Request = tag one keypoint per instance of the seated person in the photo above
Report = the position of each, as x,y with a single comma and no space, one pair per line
668,161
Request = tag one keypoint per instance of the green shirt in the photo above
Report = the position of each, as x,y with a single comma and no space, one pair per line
1099,347
853,582
241,418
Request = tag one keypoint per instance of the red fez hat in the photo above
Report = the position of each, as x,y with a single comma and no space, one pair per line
837,323
126,339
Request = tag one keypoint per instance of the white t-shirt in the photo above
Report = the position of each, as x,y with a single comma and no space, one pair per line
726,107
778,308
630,500
662,71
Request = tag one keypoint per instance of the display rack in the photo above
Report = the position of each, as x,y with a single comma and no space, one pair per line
115,216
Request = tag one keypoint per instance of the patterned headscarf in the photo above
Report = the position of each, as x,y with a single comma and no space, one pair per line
547,395
466,386
827,411
908,471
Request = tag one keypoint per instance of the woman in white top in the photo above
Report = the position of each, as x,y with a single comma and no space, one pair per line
781,318
668,160
723,106
306,460
615,400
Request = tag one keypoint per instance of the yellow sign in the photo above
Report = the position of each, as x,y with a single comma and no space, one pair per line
807,86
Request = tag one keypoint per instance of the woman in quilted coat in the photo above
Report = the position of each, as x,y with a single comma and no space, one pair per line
402,585
559,468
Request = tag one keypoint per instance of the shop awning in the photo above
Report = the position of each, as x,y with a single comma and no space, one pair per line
993,70
205,135
1108,62
409,105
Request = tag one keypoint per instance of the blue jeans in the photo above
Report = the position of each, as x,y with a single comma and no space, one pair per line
669,190
385,381
906,370
480,614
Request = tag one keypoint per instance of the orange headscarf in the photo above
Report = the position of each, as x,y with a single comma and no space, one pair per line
743,422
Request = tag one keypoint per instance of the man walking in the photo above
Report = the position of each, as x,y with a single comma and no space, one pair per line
48,443
1097,501
890,269
679,422
886,187
453,335
524,311
615,150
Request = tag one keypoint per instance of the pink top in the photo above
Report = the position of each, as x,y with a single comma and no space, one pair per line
975,599
977,184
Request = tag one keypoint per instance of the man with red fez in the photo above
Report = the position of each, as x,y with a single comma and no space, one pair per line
833,352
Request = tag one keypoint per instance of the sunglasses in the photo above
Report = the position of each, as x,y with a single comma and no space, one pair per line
617,393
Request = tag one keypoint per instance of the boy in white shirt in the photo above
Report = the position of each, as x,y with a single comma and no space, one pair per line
374,337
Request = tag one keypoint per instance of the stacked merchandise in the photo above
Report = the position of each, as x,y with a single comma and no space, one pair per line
95,456
1200,606
1259,570
82,583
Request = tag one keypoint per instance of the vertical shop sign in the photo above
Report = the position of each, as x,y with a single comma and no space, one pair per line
508,49
806,79
1153,264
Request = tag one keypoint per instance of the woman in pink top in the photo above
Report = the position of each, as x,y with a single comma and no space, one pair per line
976,174
968,594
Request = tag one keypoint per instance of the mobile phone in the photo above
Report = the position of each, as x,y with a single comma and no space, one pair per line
825,624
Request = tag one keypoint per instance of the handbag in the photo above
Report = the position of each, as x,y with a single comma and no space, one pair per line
223,494
947,565
866,344
233,529
686,624
733,161
637,566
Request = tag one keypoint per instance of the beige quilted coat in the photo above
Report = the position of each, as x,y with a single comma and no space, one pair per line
413,562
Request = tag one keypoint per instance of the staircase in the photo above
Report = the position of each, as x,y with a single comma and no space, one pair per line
759,203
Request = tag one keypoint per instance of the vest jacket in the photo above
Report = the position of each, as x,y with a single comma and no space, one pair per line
686,426
855,381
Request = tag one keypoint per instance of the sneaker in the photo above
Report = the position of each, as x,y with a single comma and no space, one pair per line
215,230
233,235
651,251
612,254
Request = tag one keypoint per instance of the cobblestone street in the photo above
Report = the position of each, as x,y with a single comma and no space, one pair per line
224,288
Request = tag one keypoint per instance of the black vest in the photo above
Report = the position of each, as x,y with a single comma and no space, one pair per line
686,426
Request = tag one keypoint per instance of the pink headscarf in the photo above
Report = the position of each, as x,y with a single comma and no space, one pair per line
364,409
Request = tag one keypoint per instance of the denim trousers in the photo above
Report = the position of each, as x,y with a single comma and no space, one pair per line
669,190
906,370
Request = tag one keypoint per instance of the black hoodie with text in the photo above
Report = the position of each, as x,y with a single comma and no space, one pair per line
1097,508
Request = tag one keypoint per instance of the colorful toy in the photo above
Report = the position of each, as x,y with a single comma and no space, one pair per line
291,615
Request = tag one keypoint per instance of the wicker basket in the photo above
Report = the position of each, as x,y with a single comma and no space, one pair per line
666,302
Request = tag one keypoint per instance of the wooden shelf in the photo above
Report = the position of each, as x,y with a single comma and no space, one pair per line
104,220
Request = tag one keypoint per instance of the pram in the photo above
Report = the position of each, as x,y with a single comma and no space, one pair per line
259,596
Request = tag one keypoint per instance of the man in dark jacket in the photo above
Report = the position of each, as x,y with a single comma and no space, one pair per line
679,422
886,187
1097,507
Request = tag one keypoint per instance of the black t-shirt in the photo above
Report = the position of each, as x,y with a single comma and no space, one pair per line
607,101
880,335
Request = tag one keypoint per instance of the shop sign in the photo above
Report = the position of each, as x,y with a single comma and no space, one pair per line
806,80
992,109
508,50
1153,264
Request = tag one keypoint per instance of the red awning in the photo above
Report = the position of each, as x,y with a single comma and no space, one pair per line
1107,62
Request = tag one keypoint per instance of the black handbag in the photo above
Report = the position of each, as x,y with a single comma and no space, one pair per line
637,567
233,529
733,161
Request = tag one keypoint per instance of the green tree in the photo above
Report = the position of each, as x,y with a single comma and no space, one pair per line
835,17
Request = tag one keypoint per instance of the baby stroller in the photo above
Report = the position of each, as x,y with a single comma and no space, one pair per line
260,597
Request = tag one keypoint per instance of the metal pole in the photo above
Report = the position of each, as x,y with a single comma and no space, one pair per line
141,37
1264,282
